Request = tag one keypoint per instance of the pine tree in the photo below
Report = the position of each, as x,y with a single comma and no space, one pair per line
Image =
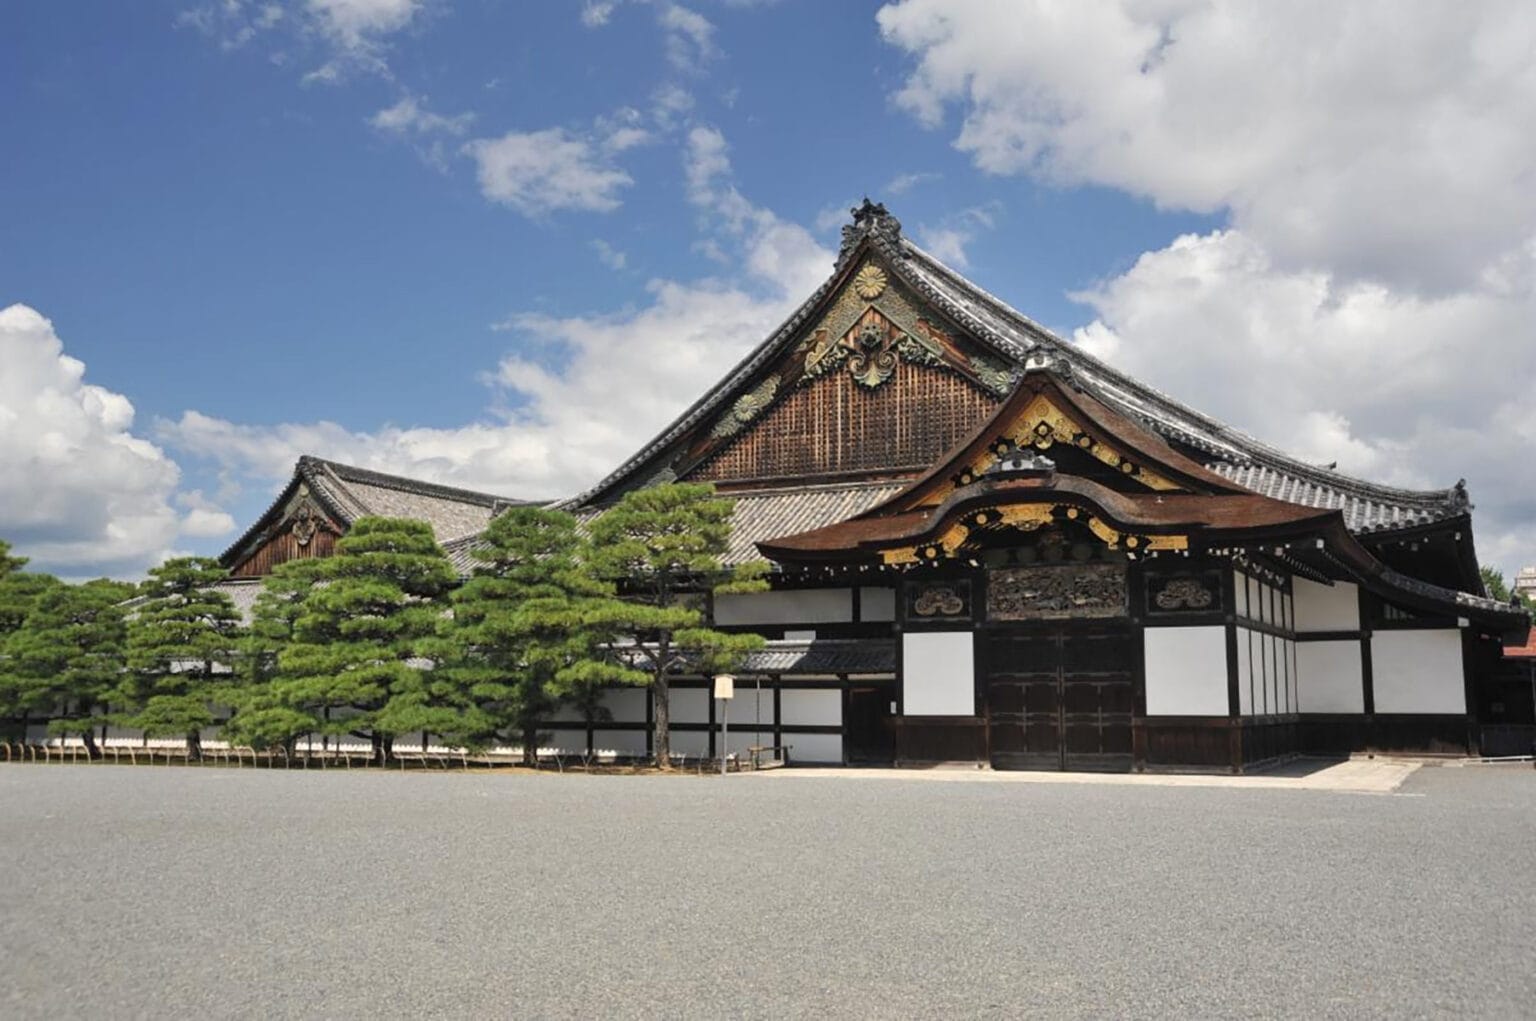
69,656
527,630
354,663
663,547
259,718
180,633
19,590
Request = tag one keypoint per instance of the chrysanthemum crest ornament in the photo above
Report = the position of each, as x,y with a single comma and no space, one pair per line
870,282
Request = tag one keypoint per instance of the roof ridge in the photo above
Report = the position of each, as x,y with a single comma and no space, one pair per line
344,473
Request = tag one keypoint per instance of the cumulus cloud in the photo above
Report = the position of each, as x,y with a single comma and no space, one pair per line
947,239
585,391
1378,142
539,172
84,494
1396,387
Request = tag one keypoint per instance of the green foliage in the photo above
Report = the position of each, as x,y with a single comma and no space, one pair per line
18,590
348,633
68,656
178,634
528,629
662,546
1498,588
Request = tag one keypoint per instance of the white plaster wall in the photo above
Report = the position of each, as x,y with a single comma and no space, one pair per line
692,743
739,741
688,705
877,604
1333,607
567,713
815,747
1418,671
1329,677
1186,671
1271,676
619,742
564,742
748,707
627,704
822,708
1240,592
938,674
795,606
1245,685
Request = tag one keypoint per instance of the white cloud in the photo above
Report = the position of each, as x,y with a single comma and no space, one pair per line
587,390
231,23
1399,388
83,494
410,116
608,255
538,172
595,13
1377,141
903,183
690,37
948,239
356,31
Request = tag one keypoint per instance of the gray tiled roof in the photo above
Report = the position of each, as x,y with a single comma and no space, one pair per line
762,516
1030,346
242,592
824,656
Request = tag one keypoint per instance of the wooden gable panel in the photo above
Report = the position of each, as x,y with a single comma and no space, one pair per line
833,425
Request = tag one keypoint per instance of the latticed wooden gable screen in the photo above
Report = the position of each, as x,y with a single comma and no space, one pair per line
834,425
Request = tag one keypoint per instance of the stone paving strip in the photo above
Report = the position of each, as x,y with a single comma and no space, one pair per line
1360,776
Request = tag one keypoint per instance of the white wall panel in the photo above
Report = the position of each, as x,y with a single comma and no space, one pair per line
1418,671
563,742
1186,671
567,713
938,673
815,747
619,742
1245,685
689,705
692,743
821,708
793,606
1329,677
877,604
627,704
1333,607
1240,592
751,706
739,741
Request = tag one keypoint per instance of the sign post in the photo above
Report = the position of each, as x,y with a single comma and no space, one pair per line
725,690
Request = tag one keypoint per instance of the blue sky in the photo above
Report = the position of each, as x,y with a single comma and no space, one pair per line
498,245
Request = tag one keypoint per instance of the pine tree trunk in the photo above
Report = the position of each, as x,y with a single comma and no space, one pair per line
88,736
194,746
530,744
663,743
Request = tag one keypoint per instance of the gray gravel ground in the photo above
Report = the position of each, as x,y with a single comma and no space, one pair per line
217,892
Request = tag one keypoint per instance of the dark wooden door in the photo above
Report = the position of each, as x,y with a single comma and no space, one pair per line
1061,698
869,730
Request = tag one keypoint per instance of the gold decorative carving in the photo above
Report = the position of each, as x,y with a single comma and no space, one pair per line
304,524
1183,594
870,282
939,601
1057,593
747,407
873,361
1042,424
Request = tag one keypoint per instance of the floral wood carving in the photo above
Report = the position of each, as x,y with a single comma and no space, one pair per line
873,360
305,524
747,407
870,282
1079,591
1183,594
938,601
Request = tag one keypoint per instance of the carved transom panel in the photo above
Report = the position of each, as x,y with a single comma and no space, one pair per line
1184,593
939,600
1072,592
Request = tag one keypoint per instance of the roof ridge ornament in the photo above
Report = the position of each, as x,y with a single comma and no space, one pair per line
869,219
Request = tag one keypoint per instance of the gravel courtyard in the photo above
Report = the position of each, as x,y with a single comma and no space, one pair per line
220,892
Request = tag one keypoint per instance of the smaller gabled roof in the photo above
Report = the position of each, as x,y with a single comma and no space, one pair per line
347,492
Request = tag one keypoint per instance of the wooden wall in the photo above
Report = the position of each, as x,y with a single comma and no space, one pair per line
281,548
835,425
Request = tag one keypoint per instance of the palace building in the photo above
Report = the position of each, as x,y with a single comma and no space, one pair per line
993,548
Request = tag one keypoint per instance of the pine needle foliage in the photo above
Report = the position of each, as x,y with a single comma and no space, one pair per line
351,662
663,547
67,658
179,635
528,630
